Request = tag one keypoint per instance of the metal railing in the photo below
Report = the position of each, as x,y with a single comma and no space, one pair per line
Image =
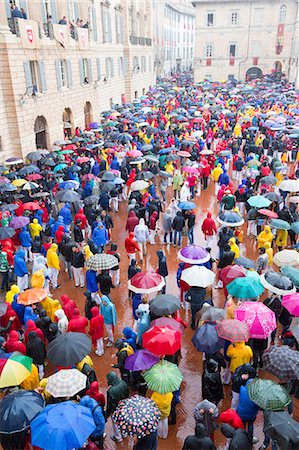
48,29
148,41
13,25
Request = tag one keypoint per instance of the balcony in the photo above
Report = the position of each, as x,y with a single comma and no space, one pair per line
13,25
74,33
141,41
148,41
48,29
134,40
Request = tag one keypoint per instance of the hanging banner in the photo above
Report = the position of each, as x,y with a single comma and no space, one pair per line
61,34
83,38
29,33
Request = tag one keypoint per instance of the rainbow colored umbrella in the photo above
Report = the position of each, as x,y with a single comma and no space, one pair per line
14,369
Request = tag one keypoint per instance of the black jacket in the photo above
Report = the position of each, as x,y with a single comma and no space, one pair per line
239,438
178,222
78,235
77,259
36,348
191,220
226,260
105,283
162,267
148,442
237,380
65,248
199,441
196,297
212,388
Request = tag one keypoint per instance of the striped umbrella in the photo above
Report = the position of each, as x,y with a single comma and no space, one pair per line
66,383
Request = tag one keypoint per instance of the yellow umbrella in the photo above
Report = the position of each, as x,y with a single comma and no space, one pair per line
19,182
14,370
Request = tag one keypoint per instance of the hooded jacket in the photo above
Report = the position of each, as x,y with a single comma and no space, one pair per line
52,257
163,402
199,441
68,306
224,178
38,279
4,266
108,311
100,235
94,393
9,249
59,234
265,236
153,220
234,248
162,265
212,388
65,212
25,238
91,281
237,380
36,348
246,409
96,325
239,439
130,337
239,354
141,232
20,267
117,391
14,290
62,321
178,222
231,418
31,326
13,344
132,221
35,228
19,309
167,221
78,323
131,245
87,252
209,226
82,217
59,222
97,414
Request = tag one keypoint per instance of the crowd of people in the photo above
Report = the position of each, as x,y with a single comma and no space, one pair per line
233,144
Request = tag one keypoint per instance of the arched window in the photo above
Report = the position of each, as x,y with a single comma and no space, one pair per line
282,14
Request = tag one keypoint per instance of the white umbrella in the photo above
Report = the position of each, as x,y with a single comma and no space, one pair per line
286,258
198,276
66,383
289,185
139,185
294,199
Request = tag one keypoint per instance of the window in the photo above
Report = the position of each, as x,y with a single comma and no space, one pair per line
258,16
210,19
143,64
63,72
98,69
256,49
35,77
107,32
150,63
234,18
109,68
282,14
209,51
120,66
119,27
232,50
136,67
85,69
73,10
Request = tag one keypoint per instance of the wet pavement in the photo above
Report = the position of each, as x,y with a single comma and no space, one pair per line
191,363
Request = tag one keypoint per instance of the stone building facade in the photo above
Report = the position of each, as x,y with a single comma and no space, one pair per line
56,76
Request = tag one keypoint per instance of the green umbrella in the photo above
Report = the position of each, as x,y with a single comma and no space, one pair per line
246,287
65,152
151,158
163,377
268,395
257,201
292,273
280,224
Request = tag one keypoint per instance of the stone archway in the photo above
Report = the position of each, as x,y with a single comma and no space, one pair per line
253,72
41,132
68,123
87,114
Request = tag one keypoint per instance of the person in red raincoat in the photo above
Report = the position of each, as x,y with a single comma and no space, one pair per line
132,221
32,327
16,324
209,229
96,330
131,178
96,394
78,323
13,344
83,220
9,248
68,306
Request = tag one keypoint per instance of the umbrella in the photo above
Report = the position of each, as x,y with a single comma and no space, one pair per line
233,330
28,169
286,258
164,174
212,314
65,425
139,185
294,199
295,227
13,161
8,188
66,383
186,206
253,163
30,186
6,233
294,328
194,254
268,395
291,303
245,287
82,159
268,213
101,261
91,200
270,179
277,283
198,276
281,362
108,176
60,167
191,169
146,175
48,162
164,305
18,409
274,197
161,341
14,369
107,186
280,224
184,154
31,206
59,142
206,339
69,348
146,283
163,377
289,185
137,160
245,262
19,182
34,177
134,153
136,416
260,319
141,360
67,196
19,222
230,219
292,273
282,428
31,296
168,322
8,207
258,201
230,273
69,184
151,158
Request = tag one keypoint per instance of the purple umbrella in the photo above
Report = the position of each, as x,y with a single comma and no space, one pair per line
19,222
94,125
141,360
194,254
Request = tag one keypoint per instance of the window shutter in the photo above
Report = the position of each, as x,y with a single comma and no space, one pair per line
54,11
94,24
58,74
98,68
112,67
109,27
69,73
125,66
119,66
89,69
44,11
81,71
121,26
76,10
8,10
42,76
28,77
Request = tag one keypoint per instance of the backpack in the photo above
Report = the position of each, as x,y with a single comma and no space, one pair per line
128,349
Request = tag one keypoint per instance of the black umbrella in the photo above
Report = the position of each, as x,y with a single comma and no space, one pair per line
277,283
6,233
48,162
34,156
40,194
18,409
107,187
281,427
28,169
108,176
91,200
273,197
147,175
164,305
8,207
245,262
67,196
75,168
69,348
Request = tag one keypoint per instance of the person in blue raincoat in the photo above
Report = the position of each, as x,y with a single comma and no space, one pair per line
29,314
99,419
100,236
26,243
130,337
88,188
20,270
114,164
224,178
108,311
39,216
59,222
65,212
143,325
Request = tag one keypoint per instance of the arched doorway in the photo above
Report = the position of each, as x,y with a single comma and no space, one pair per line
277,66
87,114
253,72
41,132
68,122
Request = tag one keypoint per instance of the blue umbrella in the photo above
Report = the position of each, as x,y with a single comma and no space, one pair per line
59,167
245,262
186,206
69,184
206,339
65,425
94,125
118,180
164,151
295,227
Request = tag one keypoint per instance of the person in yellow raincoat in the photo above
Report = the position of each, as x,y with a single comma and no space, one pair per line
215,174
265,236
281,239
14,290
279,177
234,247
38,279
239,354
269,252
54,306
169,167
53,265
47,305
32,381
237,130
35,228
259,140
163,402
42,389
87,252
86,360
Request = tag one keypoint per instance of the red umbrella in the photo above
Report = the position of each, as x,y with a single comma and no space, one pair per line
268,213
146,283
70,147
89,176
168,322
34,177
190,169
31,206
135,153
82,159
184,154
233,330
161,341
229,273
